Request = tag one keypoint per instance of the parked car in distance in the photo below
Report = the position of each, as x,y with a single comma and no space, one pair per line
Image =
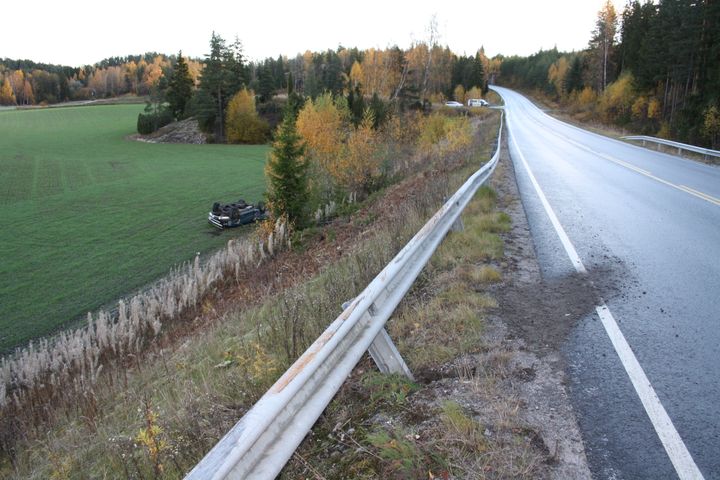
453,104
477,102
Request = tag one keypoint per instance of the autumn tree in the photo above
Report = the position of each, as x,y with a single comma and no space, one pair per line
286,174
615,103
359,168
243,123
7,96
556,75
180,88
601,45
321,124
711,125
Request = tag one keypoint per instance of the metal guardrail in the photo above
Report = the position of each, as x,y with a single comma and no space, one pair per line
265,438
680,146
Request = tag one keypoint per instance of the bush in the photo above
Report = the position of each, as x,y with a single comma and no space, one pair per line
151,121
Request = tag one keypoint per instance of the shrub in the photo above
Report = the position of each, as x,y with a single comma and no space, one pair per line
615,103
149,122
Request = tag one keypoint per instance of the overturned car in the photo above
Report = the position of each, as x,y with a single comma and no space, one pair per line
228,215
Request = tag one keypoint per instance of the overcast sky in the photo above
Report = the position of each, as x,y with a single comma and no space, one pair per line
79,33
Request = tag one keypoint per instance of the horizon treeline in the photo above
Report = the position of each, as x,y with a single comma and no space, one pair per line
422,71
654,68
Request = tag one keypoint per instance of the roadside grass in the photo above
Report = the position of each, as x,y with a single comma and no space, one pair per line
416,432
87,216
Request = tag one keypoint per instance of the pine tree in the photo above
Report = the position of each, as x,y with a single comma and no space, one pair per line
286,172
211,100
574,77
223,76
180,88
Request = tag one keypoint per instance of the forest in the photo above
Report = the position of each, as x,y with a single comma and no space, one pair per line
654,69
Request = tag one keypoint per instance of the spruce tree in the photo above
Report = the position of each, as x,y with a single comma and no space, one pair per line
180,89
286,172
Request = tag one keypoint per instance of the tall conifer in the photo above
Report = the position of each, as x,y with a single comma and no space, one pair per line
286,172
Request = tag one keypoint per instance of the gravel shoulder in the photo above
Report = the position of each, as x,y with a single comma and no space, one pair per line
534,318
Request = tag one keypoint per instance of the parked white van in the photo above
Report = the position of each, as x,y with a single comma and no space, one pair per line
477,102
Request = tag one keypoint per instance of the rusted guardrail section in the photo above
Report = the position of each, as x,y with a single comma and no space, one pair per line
669,143
265,438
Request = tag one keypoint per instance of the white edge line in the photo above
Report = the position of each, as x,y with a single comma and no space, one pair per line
674,446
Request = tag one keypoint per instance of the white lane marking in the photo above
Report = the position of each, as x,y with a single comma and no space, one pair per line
674,446
682,188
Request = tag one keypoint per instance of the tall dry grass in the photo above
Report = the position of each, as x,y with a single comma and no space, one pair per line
68,366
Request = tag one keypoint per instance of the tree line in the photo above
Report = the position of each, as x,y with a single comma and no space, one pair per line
412,78
24,83
654,68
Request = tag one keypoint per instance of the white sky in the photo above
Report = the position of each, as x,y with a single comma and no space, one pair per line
80,33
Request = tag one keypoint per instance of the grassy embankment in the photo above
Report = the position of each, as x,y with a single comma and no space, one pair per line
87,216
179,403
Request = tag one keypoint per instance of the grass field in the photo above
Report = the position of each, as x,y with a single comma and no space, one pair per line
87,216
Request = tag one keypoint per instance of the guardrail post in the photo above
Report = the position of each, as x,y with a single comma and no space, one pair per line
384,352
386,355
458,225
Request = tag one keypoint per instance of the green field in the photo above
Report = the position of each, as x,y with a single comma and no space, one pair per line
87,216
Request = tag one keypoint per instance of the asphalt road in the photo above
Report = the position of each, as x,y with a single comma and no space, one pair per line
646,227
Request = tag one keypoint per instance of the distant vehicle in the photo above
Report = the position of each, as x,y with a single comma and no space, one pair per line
477,102
229,215
453,104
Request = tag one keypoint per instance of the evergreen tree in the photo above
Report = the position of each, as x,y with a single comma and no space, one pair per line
265,82
379,111
356,104
223,76
295,101
574,77
211,98
286,172
180,88
235,72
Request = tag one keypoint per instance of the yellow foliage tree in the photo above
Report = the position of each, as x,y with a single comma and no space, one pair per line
711,124
359,168
617,99
640,108
459,94
321,124
654,109
557,73
7,96
242,121
356,75
585,99
474,92
458,134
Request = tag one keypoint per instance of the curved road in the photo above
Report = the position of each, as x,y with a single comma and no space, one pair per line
644,364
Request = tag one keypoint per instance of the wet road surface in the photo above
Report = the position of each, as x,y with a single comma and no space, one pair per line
644,368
